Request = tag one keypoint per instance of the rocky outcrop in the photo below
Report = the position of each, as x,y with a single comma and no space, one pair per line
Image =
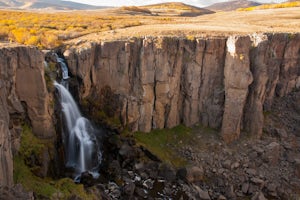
23,98
225,82
237,79
163,81
275,65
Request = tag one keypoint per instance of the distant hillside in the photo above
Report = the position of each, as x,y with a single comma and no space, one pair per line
177,9
12,3
288,4
3,4
232,5
133,10
45,4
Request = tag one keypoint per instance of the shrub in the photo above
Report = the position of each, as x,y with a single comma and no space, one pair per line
272,6
33,40
19,35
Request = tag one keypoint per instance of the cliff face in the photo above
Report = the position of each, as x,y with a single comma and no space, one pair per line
23,97
224,83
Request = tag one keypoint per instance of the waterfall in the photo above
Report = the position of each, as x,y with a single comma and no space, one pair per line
81,146
64,70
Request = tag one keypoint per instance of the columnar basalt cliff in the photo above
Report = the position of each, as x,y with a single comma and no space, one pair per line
23,98
225,83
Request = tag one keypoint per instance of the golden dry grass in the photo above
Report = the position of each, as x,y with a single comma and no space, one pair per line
52,29
272,6
172,5
48,30
136,9
176,9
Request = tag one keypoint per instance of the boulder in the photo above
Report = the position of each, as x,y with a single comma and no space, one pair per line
194,174
129,188
272,153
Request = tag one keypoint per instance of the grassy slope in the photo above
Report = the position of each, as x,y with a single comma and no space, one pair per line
163,143
42,187
272,6
48,30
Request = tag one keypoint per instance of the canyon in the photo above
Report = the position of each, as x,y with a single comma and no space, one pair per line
227,83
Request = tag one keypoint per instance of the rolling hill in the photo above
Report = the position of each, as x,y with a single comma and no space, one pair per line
287,4
232,5
176,9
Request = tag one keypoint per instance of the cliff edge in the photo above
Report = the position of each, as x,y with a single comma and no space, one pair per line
225,83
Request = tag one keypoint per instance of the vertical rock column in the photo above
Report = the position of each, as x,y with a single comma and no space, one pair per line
23,94
168,62
147,77
237,78
211,91
289,76
191,80
254,117
6,159
31,88
273,59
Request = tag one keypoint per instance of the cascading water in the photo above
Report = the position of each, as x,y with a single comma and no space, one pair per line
64,69
81,146
63,66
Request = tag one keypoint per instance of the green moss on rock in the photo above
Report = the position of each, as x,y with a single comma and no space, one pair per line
31,148
103,107
44,188
24,176
163,143
50,76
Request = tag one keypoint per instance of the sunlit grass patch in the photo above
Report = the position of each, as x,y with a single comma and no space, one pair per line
163,143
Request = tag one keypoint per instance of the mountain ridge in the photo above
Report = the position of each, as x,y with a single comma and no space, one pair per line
46,4
232,5
176,8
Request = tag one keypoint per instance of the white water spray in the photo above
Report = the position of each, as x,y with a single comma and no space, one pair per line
81,147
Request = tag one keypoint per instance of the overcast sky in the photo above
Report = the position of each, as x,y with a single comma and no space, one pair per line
199,3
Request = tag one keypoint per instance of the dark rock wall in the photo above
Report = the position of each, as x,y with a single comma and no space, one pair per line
225,83
23,97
